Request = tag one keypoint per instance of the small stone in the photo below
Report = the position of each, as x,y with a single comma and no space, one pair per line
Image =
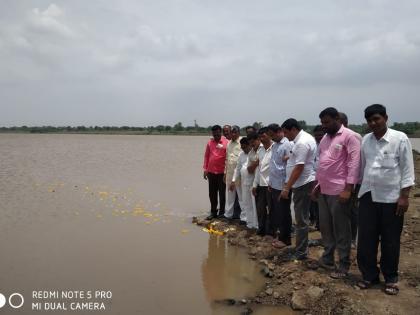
276,295
247,311
314,292
299,301
269,291
194,220
266,272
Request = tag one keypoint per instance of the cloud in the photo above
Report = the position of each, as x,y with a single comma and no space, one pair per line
151,62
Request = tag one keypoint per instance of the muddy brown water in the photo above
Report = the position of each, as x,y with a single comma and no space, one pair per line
112,213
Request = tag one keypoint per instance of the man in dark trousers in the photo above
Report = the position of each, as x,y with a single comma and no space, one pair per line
388,175
214,168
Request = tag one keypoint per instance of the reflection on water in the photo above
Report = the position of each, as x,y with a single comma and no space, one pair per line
228,273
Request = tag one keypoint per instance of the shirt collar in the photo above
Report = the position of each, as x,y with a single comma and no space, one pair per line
220,141
339,132
296,139
271,145
387,135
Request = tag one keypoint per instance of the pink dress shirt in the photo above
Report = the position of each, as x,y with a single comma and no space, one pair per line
339,161
215,156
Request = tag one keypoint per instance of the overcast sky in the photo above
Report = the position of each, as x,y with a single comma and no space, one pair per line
149,62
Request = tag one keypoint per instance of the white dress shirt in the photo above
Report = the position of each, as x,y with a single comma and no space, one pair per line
241,173
303,152
263,170
387,166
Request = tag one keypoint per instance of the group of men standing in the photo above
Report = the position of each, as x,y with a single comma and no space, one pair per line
256,177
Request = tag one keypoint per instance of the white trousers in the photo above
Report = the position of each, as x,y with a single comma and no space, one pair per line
248,207
230,200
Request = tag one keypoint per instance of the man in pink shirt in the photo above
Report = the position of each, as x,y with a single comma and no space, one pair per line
337,173
214,168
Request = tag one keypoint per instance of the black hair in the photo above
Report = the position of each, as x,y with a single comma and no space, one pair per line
343,118
216,127
291,123
236,128
244,140
262,130
274,127
318,128
250,127
329,111
375,109
253,136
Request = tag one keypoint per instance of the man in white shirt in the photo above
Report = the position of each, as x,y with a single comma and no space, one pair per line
243,178
300,176
253,162
388,175
232,194
260,185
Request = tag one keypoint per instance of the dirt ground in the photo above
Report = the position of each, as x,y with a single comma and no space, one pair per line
306,287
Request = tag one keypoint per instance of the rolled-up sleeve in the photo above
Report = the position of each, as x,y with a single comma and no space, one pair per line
300,151
353,160
406,164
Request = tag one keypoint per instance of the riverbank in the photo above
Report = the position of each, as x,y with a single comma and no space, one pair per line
304,286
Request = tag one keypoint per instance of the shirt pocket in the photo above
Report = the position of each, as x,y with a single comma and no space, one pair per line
336,150
389,160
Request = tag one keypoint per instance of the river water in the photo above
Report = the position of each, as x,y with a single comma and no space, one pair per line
112,213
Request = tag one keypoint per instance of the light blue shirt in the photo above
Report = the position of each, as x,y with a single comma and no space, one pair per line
280,150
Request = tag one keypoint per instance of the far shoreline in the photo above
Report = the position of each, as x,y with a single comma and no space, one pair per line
130,133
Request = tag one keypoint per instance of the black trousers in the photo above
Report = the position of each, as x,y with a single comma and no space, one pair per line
378,221
314,213
216,188
354,213
263,204
236,208
280,216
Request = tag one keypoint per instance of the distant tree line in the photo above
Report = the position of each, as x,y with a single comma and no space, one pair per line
410,128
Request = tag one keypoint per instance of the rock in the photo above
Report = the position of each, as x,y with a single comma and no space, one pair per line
247,311
271,266
268,238
299,301
242,242
253,251
267,272
194,220
276,295
226,301
269,291
314,293
243,301
242,234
